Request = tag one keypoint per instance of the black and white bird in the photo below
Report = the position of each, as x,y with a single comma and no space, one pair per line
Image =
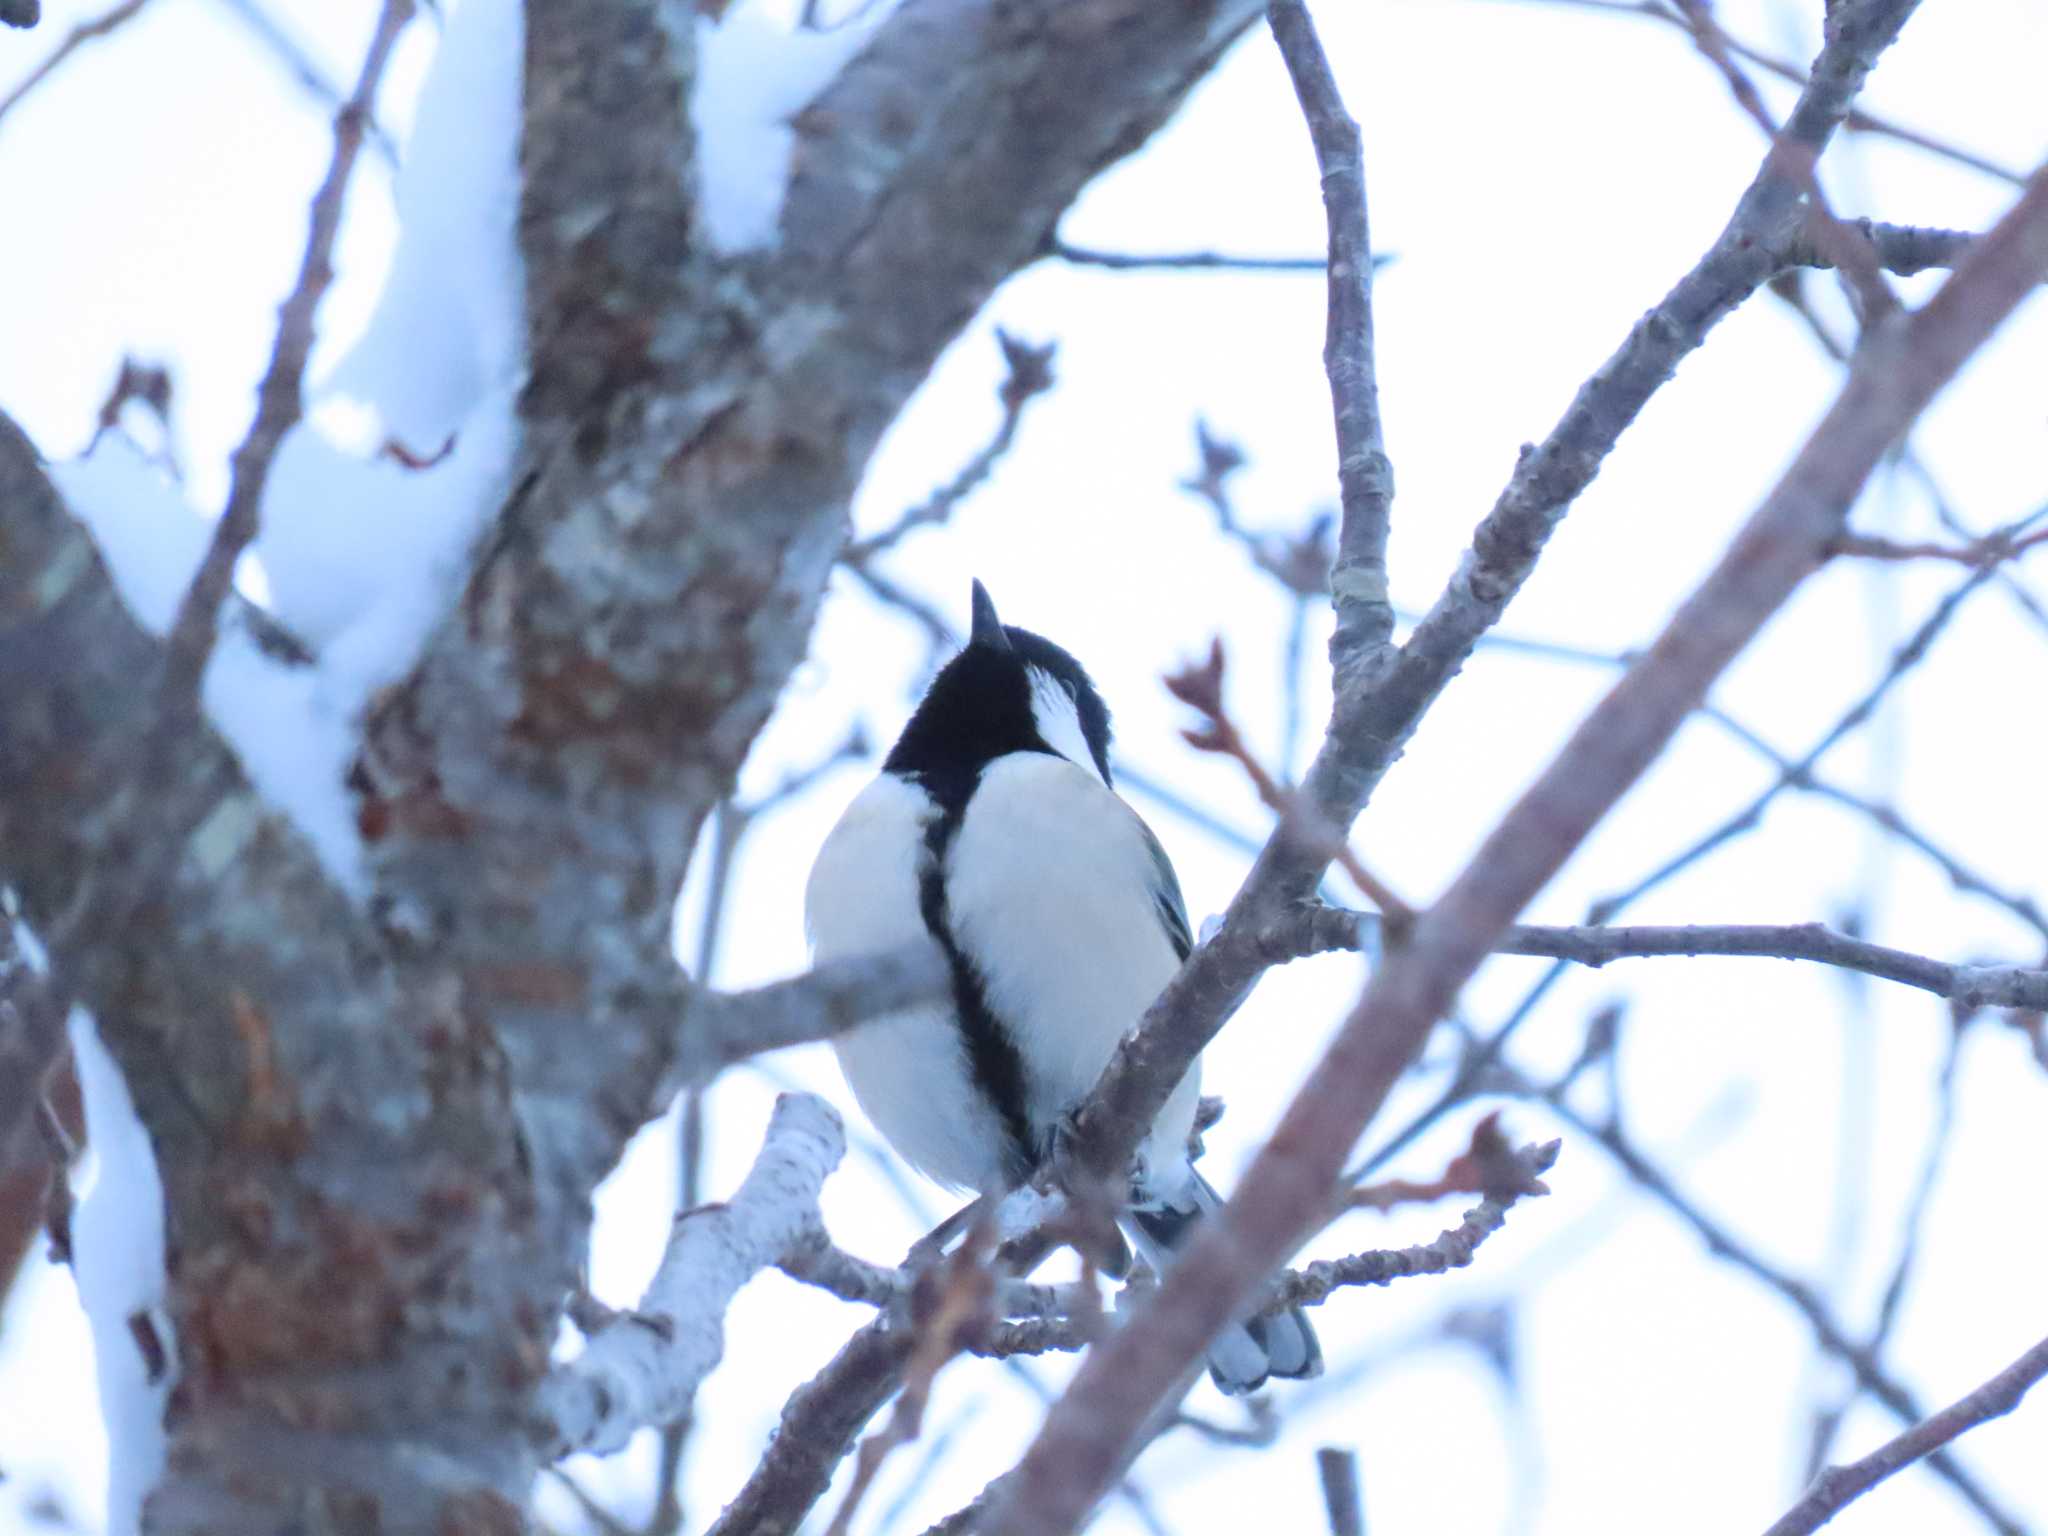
994,829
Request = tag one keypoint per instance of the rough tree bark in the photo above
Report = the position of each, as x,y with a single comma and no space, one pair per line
379,1124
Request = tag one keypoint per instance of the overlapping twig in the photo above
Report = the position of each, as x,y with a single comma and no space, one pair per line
1371,720
1841,246
1900,368
85,32
280,395
302,67
1828,1330
1837,1487
1200,687
1858,120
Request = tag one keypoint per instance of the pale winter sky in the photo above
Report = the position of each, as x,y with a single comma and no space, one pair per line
1542,174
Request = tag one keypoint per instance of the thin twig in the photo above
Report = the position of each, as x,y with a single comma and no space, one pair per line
1911,1225
1792,774
1313,1284
1837,1487
1372,717
1900,368
1323,930
1180,261
1901,249
279,397
303,68
85,32
965,1292
1300,562
1028,375
1828,1330
1858,120
1904,659
1200,687
1843,247
1989,550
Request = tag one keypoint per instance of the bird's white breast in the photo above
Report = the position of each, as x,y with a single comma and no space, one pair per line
1050,892
908,1070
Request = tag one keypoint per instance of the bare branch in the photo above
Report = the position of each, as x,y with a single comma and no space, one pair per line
1989,550
1903,249
1358,581
1029,375
962,1293
279,397
1182,261
302,67
1900,368
1371,719
816,1431
1200,687
1313,1284
1912,1223
1908,656
1318,929
1837,1487
1858,120
85,32
1844,248
645,1368
1828,1330
725,1027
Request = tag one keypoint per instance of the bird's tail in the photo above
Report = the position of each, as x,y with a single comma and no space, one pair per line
1247,1352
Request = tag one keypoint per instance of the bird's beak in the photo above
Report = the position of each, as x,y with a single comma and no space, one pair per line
988,629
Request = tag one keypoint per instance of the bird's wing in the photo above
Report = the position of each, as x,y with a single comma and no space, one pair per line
1166,896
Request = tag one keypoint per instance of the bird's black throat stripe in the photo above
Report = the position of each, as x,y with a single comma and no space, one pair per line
992,1055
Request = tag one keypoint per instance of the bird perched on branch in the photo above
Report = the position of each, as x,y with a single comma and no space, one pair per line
994,828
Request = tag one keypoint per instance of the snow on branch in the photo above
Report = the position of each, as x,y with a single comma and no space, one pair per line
645,1368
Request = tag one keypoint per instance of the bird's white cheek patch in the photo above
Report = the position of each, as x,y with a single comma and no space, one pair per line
1058,721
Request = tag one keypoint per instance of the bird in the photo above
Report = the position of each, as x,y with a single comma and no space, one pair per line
994,829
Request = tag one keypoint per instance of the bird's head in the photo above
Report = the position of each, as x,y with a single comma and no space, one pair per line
1008,690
